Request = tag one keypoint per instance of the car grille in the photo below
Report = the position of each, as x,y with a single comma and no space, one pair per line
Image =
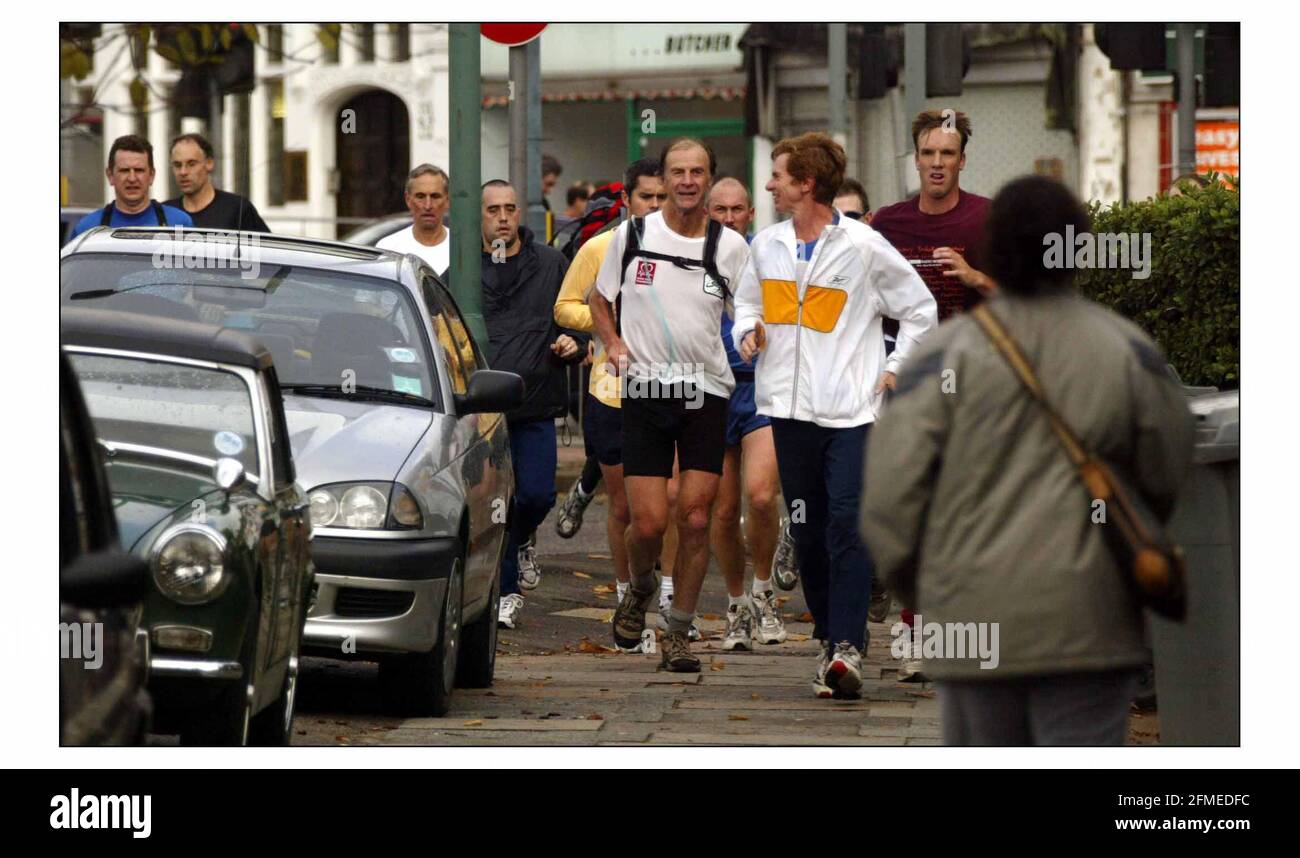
355,602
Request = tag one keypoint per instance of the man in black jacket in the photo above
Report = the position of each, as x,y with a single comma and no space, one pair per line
521,280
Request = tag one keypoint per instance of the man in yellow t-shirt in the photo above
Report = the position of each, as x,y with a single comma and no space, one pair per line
643,193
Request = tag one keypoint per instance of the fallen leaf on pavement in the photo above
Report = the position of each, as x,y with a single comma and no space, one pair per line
581,575
477,722
806,617
602,589
755,697
718,665
595,716
795,636
737,717
781,600
591,647
710,617
600,557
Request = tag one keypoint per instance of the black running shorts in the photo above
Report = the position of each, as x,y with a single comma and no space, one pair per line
655,428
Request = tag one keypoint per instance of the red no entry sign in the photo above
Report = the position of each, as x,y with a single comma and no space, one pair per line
511,34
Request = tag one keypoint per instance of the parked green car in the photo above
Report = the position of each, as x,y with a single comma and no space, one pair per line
190,422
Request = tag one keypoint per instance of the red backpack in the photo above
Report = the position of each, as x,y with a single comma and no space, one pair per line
604,207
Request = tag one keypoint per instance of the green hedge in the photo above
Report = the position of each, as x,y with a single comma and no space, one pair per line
1189,304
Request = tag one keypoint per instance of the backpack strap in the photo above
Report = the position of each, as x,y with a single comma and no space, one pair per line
158,212
712,238
631,250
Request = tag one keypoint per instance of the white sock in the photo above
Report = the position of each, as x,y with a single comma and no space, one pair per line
666,588
621,587
761,588
741,600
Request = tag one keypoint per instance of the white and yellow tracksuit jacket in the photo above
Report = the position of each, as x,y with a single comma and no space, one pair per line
825,351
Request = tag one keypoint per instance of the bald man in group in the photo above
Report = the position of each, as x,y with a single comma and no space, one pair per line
749,464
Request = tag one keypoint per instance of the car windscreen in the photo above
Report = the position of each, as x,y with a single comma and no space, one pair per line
180,412
322,327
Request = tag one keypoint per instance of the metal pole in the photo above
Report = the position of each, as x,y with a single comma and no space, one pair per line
836,61
466,176
1186,98
533,92
66,112
914,94
214,126
518,112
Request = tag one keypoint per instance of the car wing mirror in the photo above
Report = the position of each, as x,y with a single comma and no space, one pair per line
490,391
104,579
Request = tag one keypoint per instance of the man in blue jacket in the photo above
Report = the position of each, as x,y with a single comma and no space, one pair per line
521,280
130,171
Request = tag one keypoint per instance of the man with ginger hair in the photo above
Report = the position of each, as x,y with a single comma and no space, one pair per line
809,307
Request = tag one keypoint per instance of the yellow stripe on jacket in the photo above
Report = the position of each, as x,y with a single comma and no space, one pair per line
822,306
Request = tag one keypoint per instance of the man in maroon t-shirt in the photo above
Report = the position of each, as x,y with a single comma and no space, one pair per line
940,232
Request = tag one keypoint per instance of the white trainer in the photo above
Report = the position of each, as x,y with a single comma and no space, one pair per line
769,629
508,613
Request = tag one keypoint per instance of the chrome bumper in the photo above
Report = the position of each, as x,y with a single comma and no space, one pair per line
415,630
161,665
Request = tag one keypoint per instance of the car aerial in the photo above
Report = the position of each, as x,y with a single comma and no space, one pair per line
396,427
197,456
103,655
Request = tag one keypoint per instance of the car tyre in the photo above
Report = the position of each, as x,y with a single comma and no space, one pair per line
422,683
478,646
273,726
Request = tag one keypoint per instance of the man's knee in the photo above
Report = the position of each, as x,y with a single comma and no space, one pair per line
762,500
692,519
648,525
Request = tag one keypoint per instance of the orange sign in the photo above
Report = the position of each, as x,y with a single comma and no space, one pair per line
1217,146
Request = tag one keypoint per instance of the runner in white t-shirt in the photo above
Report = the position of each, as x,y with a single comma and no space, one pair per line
676,381
427,236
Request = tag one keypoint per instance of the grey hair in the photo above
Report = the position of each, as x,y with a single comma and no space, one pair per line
428,170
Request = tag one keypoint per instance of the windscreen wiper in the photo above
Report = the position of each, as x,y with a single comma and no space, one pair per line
362,392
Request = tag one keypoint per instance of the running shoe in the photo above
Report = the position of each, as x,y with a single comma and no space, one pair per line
569,521
740,628
677,655
844,672
629,618
770,629
530,574
508,612
785,567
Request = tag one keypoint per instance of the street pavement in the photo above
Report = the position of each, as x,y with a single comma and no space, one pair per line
558,685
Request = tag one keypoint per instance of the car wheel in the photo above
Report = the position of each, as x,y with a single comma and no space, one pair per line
223,724
422,683
273,726
478,645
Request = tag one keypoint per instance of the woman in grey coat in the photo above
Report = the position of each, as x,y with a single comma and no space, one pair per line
976,518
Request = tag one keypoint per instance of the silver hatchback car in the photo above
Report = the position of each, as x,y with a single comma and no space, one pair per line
395,424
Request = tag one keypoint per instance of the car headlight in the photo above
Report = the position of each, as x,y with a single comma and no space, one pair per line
188,564
365,506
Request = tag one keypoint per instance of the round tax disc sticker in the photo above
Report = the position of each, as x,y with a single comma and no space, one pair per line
401,355
228,443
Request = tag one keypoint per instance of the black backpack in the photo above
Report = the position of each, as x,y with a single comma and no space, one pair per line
633,249
157,212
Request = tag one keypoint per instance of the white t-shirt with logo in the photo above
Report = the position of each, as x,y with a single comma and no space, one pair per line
671,315
403,241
